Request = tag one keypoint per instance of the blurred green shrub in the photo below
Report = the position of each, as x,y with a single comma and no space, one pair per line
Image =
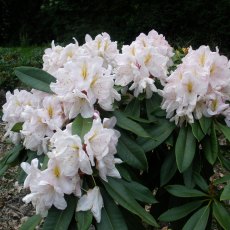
13,57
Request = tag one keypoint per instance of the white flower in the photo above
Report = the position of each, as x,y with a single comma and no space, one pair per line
91,201
144,61
44,196
68,149
200,85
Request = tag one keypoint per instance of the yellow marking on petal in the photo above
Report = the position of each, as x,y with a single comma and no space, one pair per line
214,105
189,86
84,71
106,45
180,76
99,44
213,68
75,147
50,111
69,54
148,57
94,135
143,42
93,81
133,51
56,171
202,59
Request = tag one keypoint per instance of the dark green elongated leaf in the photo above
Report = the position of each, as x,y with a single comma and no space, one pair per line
12,155
168,169
139,192
225,195
141,120
225,130
31,223
130,125
84,220
45,162
159,132
17,127
121,195
197,131
132,220
205,124
123,172
133,108
153,107
180,212
224,161
198,220
111,217
224,179
221,214
200,181
60,219
183,191
3,169
188,177
131,153
81,126
35,78
210,146
185,148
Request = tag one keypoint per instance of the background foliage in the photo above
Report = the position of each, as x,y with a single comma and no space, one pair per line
183,22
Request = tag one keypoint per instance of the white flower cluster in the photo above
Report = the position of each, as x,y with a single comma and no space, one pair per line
41,114
142,62
69,160
199,86
83,75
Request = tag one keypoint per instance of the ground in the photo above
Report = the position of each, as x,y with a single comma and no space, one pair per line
13,211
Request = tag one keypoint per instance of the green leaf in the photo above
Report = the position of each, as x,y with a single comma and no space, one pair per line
133,108
159,132
153,108
221,214
81,126
183,191
131,153
197,131
223,179
210,146
17,127
168,169
121,195
31,223
200,181
35,78
205,124
3,169
188,177
225,130
224,161
185,148
111,217
45,162
198,220
84,220
60,219
130,125
180,212
139,192
123,172
225,195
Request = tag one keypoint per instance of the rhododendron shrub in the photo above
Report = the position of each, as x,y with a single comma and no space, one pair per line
122,139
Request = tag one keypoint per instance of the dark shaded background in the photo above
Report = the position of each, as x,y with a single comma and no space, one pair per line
183,23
